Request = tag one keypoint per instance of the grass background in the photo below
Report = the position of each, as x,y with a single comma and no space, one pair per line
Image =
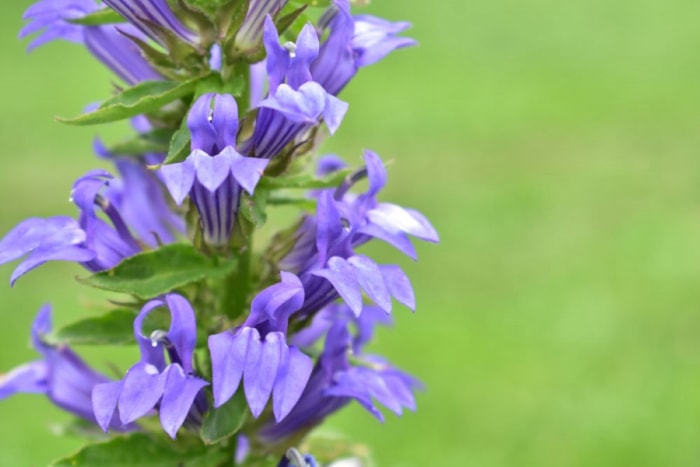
554,146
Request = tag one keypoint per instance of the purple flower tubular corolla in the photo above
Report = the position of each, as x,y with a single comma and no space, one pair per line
324,258
93,242
335,381
119,53
353,43
139,197
107,43
251,32
61,375
257,353
295,103
172,389
214,174
155,19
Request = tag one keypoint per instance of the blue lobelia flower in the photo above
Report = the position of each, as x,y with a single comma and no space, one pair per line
251,31
364,325
353,43
119,53
324,255
336,379
214,174
173,389
51,18
155,19
257,353
97,244
295,103
139,196
60,374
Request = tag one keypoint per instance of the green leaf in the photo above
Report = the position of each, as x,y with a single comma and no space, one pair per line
113,328
145,97
154,273
253,208
79,428
225,421
154,141
142,450
179,146
302,203
286,21
230,16
99,17
306,181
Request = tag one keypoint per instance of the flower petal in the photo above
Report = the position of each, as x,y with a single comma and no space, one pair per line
334,112
399,285
342,276
398,240
393,218
183,328
277,56
295,370
376,172
211,170
369,276
199,123
225,120
34,232
143,388
104,402
178,178
261,370
28,378
55,253
329,226
248,170
178,397
305,52
228,359
279,300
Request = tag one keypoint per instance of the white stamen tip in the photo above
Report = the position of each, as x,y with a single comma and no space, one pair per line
291,48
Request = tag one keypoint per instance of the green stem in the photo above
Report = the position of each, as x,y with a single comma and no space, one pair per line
237,286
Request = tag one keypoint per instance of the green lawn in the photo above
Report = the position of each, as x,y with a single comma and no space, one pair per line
553,145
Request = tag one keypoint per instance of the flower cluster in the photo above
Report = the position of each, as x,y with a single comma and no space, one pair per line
228,104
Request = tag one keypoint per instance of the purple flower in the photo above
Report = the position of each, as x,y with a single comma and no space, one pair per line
172,389
107,43
386,221
97,244
295,103
140,198
258,353
251,31
61,375
214,174
121,55
258,81
52,16
154,18
324,255
335,380
364,324
353,43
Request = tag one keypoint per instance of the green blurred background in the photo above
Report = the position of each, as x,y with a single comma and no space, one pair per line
554,146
